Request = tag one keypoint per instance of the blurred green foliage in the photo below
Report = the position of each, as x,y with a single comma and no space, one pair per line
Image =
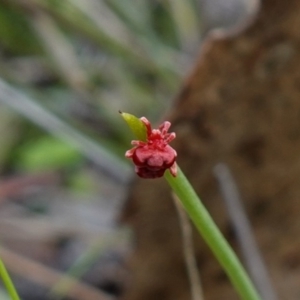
16,35
45,154
85,60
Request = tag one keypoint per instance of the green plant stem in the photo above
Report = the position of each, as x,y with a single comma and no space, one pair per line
212,235
8,282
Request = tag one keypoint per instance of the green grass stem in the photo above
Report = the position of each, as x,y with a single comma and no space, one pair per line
8,282
212,235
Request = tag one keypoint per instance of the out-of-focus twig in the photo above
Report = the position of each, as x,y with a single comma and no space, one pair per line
60,50
187,23
188,250
48,277
107,21
253,258
16,185
107,162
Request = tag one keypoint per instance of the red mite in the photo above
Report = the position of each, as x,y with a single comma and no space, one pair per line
153,157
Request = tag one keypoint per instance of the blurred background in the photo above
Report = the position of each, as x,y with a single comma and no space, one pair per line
67,67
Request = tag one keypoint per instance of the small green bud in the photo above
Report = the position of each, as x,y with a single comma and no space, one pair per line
136,125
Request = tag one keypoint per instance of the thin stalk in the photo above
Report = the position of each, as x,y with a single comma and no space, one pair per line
8,282
189,251
212,235
245,237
